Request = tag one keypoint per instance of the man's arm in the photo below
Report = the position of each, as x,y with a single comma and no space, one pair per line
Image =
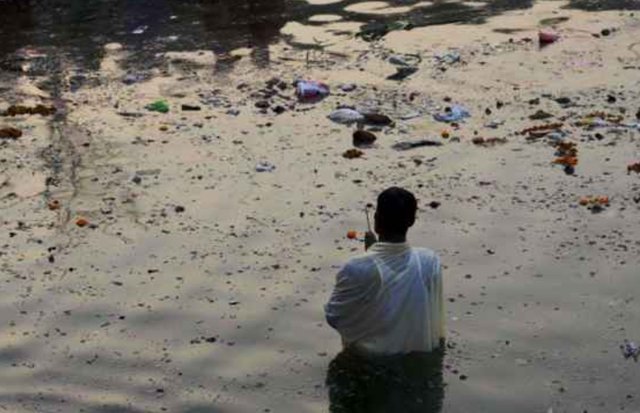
334,309
352,289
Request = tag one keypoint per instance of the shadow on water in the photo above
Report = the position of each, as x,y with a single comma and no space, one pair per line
601,5
410,383
78,29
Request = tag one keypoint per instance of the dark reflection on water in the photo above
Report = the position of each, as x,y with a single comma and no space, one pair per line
407,384
596,5
78,29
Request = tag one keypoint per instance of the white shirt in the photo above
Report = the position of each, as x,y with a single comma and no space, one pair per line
389,300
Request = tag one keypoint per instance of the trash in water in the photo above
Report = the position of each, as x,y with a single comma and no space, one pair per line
601,119
540,115
42,110
566,161
265,166
402,73
410,115
556,136
594,203
634,167
348,87
567,156
132,78
546,38
455,113
352,153
494,124
53,205
488,141
187,108
378,119
404,146
10,133
447,58
374,31
309,91
82,222
140,29
346,116
363,138
540,131
158,106
405,60
630,350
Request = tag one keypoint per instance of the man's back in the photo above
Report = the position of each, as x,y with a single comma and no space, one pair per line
389,301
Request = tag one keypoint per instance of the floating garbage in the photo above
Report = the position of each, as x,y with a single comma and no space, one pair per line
158,106
308,90
10,133
82,222
265,166
405,59
455,113
42,110
541,131
363,138
132,78
348,87
346,116
594,203
494,124
402,73
140,30
374,31
448,58
567,156
377,119
630,350
546,38
404,146
634,167
352,154
488,141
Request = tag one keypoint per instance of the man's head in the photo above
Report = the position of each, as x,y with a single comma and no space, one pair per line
395,213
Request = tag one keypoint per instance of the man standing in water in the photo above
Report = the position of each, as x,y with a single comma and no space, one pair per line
389,300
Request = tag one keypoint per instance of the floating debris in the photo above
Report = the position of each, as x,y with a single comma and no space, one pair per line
363,138
630,350
16,110
352,153
10,133
488,141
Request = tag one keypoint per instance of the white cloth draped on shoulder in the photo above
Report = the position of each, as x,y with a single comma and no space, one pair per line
389,300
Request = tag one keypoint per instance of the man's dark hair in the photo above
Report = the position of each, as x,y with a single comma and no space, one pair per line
396,210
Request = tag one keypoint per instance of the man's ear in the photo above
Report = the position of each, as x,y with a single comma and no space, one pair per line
412,221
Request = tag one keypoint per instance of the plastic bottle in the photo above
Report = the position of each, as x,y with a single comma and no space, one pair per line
311,90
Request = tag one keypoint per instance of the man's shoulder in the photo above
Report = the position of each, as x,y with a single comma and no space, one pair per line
429,259
426,253
361,267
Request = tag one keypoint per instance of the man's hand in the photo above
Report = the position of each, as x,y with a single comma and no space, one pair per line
369,239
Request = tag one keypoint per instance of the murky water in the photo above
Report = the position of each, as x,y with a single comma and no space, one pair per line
80,28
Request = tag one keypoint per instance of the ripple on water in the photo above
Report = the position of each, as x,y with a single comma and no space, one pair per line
325,18
383,8
322,2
